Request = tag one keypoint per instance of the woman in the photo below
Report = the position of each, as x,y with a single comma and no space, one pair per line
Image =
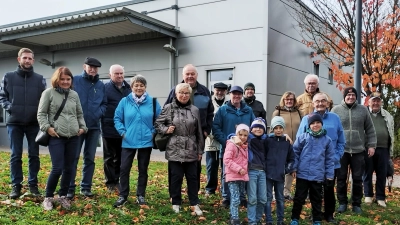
185,147
133,119
63,133
287,109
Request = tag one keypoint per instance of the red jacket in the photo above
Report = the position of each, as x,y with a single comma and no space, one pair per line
235,159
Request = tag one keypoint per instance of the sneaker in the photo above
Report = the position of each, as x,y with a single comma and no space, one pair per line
368,200
234,222
120,202
87,193
226,203
316,223
34,190
64,202
382,203
357,209
342,208
48,203
71,194
288,198
330,219
16,191
140,200
197,210
176,208
294,222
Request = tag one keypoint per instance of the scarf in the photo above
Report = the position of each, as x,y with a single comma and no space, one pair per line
316,133
139,100
61,90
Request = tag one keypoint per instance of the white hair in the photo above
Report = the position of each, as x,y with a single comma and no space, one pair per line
114,66
181,86
312,76
320,93
189,65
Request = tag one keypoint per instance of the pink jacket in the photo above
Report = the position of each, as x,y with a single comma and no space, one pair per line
235,159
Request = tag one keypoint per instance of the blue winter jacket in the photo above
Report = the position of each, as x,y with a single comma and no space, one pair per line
93,98
114,96
226,119
202,100
314,157
134,122
334,129
258,152
279,157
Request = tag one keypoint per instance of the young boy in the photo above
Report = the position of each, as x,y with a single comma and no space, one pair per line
256,187
279,161
313,164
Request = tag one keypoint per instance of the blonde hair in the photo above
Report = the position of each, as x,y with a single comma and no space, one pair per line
285,95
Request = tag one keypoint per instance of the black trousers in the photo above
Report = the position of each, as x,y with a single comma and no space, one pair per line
357,166
329,198
378,163
127,156
112,159
177,170
303,187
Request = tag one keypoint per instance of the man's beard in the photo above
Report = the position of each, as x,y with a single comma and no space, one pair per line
23,66
219,98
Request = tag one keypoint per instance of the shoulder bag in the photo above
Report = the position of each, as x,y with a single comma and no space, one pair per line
161,140
42,138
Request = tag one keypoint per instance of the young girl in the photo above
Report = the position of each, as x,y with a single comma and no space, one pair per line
235,160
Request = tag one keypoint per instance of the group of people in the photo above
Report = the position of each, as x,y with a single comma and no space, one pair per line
231,129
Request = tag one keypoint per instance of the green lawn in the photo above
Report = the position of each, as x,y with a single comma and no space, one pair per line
99,210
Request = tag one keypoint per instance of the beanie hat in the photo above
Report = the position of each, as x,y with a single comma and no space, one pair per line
351,90
249,85
277,121
314,117
242,127
258,122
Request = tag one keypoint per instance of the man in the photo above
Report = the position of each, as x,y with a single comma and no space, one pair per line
305,100
250,99
116,89
334,129
384,128
360,133
93,99
229,115
201,98
212,146
20,95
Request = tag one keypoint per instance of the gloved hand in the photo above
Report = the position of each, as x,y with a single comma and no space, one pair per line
329,183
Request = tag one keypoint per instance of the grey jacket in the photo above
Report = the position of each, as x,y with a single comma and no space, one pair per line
390,126
358,127
71,118
211,143
187,142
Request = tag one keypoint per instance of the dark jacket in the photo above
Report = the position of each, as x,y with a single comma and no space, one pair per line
114,96
279,158
257,107
93,98
258,152
186,142
20,95
202,100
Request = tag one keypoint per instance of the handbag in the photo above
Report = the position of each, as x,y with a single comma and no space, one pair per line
154,121
42,138
161,140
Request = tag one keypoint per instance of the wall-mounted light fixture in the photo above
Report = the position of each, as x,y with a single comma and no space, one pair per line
47,63
171,49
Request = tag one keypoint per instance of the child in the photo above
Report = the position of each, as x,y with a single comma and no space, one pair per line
256,187
235,160
313,164
279,161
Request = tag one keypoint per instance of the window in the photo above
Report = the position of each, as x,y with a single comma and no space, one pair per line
220,75
316,67
330,76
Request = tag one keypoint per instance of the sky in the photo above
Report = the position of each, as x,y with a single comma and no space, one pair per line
22,10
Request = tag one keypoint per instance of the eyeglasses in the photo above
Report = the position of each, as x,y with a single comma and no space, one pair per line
311,83
289,99
184,93
320,101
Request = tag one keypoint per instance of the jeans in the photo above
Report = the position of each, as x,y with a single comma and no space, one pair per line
16,135
277,186
225,190
62,152
112,159
303,187
212,162
234,189
127,156
176,173
378,163
257,195
357,166
91,139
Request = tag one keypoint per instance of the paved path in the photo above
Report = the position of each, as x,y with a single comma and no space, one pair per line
156,155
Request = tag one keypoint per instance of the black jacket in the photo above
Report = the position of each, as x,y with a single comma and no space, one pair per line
258,150
279,158
257,107
114,96
20,95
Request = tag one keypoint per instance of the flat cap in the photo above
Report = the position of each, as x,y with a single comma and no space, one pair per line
92,62
220,85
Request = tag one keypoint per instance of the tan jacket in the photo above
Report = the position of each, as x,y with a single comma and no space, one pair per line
305,104
292,120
